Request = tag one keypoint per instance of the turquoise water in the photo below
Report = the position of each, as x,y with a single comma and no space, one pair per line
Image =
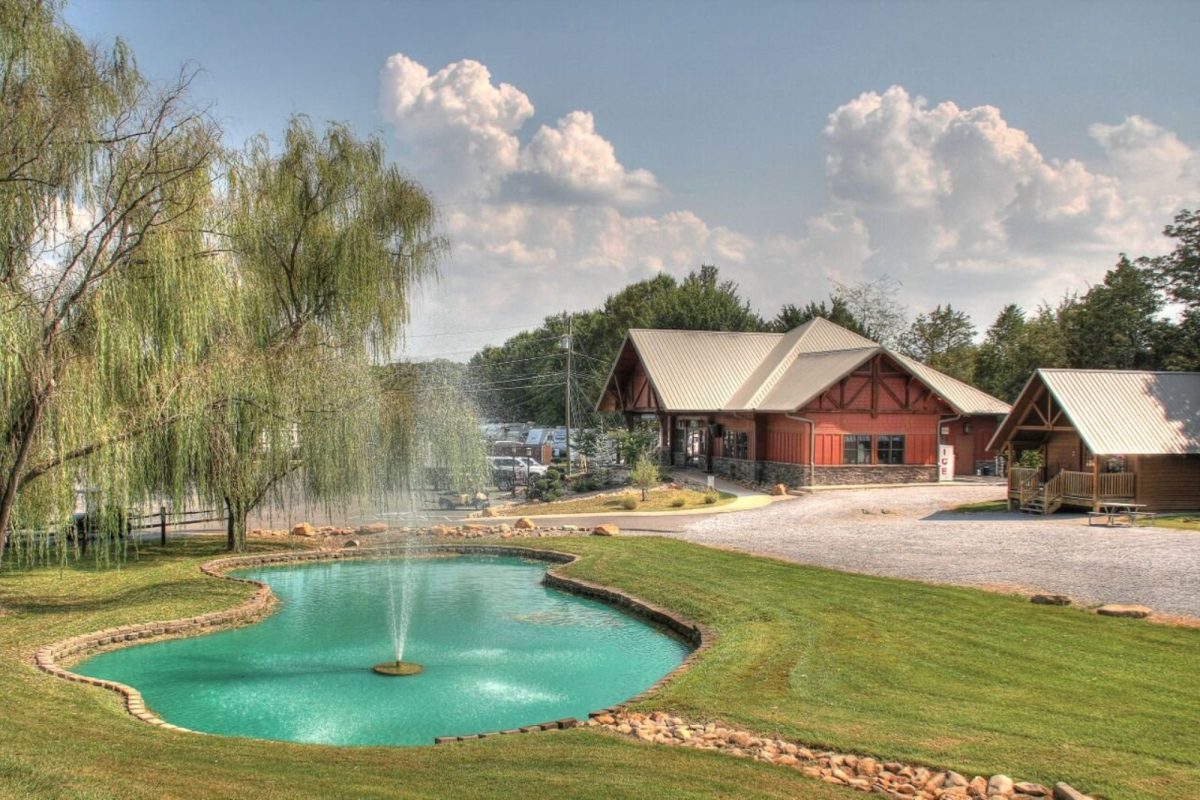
499,649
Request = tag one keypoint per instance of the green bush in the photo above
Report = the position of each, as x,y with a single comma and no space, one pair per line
678,502
644,475
710,498
629,502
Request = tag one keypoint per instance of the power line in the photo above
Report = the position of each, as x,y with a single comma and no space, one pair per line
472,330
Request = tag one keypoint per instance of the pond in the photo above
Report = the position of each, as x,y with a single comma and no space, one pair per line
499,651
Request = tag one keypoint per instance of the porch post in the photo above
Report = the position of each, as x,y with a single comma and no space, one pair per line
1095,481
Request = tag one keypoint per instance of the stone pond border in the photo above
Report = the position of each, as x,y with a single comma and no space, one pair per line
48,657
827,766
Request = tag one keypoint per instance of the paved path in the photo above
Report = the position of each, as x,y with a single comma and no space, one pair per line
845,529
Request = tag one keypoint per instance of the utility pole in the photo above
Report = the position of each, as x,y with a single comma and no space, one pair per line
568,345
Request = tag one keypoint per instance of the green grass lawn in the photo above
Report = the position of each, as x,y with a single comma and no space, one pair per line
1180,522
662,499
949,677
983,506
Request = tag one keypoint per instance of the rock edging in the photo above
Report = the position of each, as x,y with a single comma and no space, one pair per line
889,778
48,657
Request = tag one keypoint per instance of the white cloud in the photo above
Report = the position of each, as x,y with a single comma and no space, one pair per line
463,131
960,205
461,128
575,163
954,202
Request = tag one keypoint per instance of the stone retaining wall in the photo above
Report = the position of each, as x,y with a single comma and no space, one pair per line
771,472
262,602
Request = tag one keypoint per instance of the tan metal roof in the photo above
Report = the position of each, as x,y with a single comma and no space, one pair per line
815,336
809,375
1128,412
699,370
964,398
720,371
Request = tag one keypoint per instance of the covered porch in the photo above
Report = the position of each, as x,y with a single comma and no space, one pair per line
1028,491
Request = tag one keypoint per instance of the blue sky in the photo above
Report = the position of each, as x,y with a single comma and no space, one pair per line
1072,135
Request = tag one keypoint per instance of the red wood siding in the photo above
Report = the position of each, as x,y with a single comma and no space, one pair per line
919,431
787,439
971,447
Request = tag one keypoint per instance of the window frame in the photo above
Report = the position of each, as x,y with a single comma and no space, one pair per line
857,440
891,440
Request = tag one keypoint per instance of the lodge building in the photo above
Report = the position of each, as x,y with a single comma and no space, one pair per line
819,405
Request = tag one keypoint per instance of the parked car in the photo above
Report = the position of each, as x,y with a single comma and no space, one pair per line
532,467
508,471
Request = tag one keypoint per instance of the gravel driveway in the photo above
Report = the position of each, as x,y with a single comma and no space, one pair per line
905,533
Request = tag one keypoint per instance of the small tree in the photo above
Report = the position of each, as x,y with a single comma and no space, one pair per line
644,475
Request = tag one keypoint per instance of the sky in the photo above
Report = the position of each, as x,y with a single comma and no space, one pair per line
975,153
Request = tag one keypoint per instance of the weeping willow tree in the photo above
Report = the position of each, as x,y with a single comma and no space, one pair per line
328,242
109,296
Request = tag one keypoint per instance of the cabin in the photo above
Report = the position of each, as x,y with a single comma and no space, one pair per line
1123,436
818,405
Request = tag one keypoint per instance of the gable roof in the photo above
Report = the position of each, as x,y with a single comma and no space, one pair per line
778,372
699,370
1121,412
964,398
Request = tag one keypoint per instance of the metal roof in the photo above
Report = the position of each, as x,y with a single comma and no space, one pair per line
1129,412
964,398
723,371
810,375
699,370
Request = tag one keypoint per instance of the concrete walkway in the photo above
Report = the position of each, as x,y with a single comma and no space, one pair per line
908,533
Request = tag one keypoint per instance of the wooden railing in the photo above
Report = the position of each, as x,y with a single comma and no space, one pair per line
1112,484
1053,493
1118,484
1026,482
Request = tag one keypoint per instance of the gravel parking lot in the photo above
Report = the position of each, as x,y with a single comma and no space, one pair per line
905,532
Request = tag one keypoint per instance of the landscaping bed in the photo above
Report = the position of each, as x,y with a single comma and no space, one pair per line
659,499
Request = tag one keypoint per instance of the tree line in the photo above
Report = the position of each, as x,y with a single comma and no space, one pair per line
187,322
1144,314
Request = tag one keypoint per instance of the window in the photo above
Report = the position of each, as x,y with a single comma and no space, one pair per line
890,449
856,449
736,444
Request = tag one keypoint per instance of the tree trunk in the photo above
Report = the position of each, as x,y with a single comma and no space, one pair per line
235,526
13,480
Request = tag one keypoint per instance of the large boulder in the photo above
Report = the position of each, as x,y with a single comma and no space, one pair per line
524,524
373,527
1050,600
490,512
779,489
1124,610
303,529
606,529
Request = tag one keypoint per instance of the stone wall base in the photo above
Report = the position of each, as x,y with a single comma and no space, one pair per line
772,472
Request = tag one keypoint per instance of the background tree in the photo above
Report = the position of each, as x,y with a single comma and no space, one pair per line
875,306
943,339
1116,324
524,378
109,296
791,316
1014,347
1178,275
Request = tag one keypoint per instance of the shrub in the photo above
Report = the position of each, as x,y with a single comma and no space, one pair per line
678,502
710,498
629,502
644,475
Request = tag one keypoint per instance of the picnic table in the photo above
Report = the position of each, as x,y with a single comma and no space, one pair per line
1114,510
